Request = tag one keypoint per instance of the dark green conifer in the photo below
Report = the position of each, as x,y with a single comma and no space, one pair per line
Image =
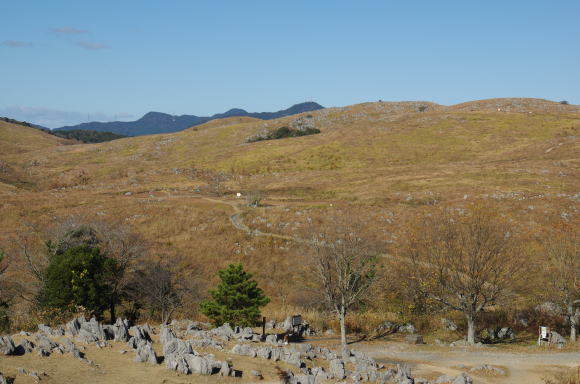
237,299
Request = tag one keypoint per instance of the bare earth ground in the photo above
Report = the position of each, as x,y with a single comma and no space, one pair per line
430,362
111,366
523,364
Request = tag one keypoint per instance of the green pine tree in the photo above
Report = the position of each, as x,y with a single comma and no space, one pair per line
237,299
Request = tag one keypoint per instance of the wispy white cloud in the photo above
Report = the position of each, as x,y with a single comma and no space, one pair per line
53,118
92,45
68,31
16,44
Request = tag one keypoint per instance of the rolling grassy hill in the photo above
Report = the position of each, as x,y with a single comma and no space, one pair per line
362,151
379,162
18,139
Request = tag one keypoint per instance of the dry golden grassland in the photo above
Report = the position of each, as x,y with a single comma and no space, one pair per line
383,163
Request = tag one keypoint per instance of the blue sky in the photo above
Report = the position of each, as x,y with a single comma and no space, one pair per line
63,62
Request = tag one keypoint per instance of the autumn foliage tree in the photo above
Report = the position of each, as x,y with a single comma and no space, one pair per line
464,261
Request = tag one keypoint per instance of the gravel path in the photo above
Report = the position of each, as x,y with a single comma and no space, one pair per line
521,367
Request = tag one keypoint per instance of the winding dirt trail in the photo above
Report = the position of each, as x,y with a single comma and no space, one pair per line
521,367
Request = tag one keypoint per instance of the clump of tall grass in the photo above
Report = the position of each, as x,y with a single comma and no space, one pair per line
570,376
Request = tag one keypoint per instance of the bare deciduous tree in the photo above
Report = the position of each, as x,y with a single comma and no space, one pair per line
217,182
465,262
158,286
31,259
3,268
125,247
345,267
4,320
564,272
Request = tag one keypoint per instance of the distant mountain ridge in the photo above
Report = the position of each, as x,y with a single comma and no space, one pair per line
158,122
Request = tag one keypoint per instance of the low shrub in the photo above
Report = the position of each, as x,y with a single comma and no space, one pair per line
282,133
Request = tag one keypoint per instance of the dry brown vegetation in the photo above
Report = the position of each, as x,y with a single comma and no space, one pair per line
383,163
569,376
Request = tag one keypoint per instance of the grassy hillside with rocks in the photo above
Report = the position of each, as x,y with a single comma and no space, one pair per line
380,163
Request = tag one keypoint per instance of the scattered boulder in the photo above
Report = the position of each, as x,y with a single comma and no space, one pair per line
449,324
292,358
319,374
244,350
462,378
388,327
140,337
488,368
198,326
177,363
246,334
25,346
73,327
146,354
121,330
177,346
148,330
459,343
33,374
7,346
264,352
406,328
95,328
206,342
273,339
384,327
50,331
42,352
43,342
140,333
414,339
490,335
225,369
87,336
103,344
225,331
198,364
70,347
257,374
557,339
336,369
403,375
